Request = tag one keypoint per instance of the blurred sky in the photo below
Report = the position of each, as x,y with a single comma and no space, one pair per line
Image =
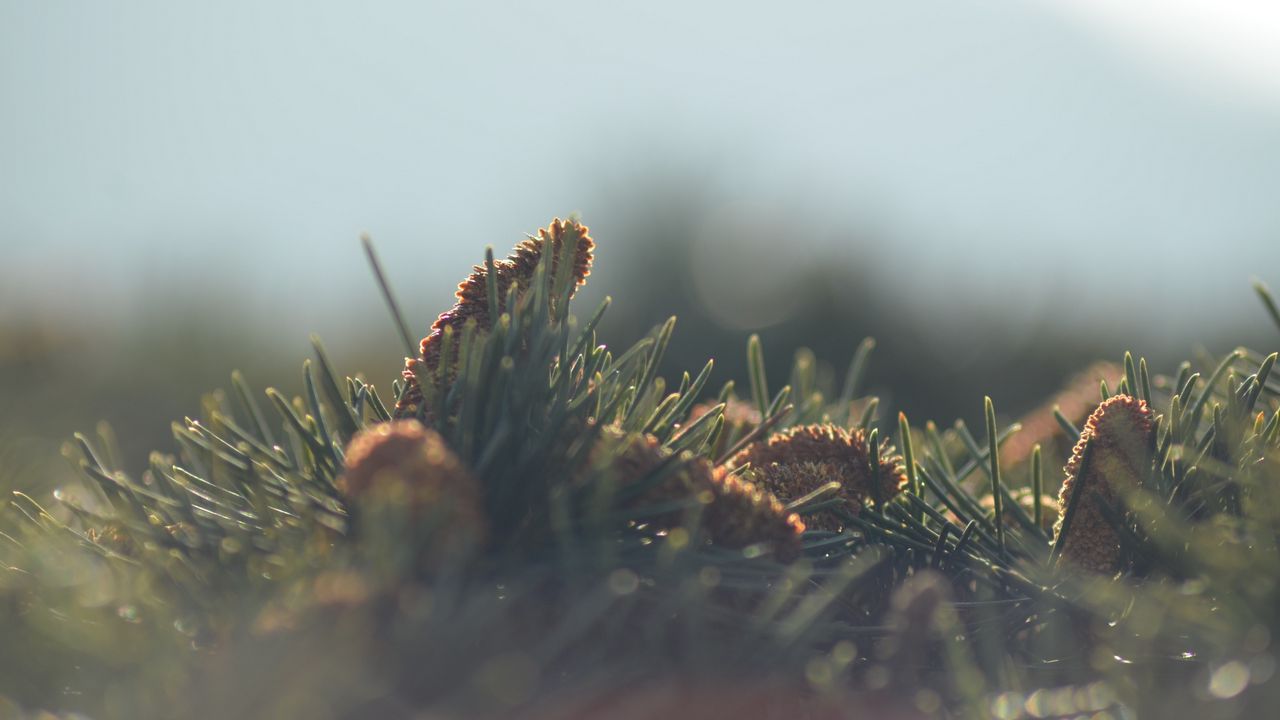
1052,158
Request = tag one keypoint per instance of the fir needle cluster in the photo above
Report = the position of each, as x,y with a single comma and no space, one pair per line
538,505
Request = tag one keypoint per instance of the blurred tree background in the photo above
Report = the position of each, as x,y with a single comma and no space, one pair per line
665,250
1000,193
995,191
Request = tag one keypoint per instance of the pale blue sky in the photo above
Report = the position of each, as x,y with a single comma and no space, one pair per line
234,142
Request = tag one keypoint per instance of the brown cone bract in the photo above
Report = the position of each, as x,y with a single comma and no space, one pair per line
735,513
473,301
799,460
406,461
1120,431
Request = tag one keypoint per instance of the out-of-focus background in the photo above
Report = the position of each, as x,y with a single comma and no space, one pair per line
1000,192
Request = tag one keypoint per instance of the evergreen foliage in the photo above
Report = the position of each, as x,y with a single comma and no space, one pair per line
531,524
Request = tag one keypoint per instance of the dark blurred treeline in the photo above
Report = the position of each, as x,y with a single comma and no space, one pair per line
923,363
58,377
666,249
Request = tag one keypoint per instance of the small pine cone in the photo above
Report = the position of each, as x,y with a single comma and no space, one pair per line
741,513
736,513
403,457
1076,400
795,480
632,458
473,301
740,418
1120,430
524,259
741,414
798,461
